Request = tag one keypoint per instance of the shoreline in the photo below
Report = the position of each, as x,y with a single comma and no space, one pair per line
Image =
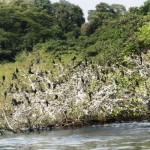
77,94
4,132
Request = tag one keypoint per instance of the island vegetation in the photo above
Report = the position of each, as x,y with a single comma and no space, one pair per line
56,70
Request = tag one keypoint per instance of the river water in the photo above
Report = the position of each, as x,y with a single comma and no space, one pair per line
124,136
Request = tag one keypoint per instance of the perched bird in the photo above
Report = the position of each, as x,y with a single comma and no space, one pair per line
3,78
56,97
47,103
86,61
49,85
90,95
27,98
30,71
122,73
17,70
14,102
14,76
5,94
141,60
16,87
73,59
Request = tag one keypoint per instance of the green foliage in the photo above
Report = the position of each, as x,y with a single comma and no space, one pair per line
69,16
144,33
145,9
23,23
111,33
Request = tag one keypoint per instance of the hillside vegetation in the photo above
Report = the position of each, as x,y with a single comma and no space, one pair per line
58,70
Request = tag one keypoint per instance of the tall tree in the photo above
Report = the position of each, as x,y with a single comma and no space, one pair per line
69,16
145,8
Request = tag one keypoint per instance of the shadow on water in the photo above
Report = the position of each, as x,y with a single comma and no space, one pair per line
134,136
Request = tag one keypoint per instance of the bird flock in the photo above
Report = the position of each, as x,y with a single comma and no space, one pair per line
77,94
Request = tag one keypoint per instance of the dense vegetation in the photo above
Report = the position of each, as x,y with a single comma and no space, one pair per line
110,31
52,42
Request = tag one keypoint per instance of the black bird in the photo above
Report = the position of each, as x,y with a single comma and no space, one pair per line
33,90
47,103
17,89
73,59
82,80
137,83
5,94
93,67
53,61
10,87
116,82
27,98
14,76
141,60
46,72
109,64
3,78
56,97
49,85
90,95
78,64
30,71
17,70
103,79
97,75
54,85
14,102
86,61
122,73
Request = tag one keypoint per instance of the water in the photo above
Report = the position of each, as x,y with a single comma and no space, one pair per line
131,136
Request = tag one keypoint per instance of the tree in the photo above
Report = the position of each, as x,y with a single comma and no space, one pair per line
45,5
145,8
118,9
103,12
144,33
69,16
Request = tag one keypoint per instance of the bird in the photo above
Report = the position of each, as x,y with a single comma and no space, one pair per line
53,62
49,85
54,85
27,98
122,73
14,102
47,103
73,59
90,95
5,94
56,97
141,60
16,86
3,78
86,61
14,76
17,70
30,70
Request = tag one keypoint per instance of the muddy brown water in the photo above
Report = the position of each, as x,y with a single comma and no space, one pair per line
121,136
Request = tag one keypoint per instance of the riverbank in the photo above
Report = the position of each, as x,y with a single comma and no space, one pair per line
78,94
